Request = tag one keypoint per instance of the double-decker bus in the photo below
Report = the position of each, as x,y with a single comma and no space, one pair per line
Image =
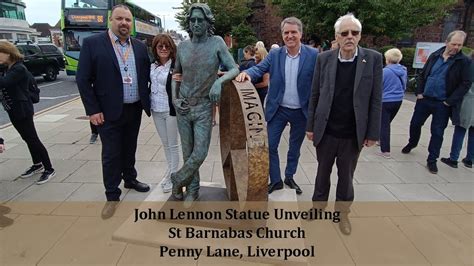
83,18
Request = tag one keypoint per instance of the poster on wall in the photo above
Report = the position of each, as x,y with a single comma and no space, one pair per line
423,51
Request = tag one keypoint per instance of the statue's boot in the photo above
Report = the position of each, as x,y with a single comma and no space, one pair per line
176,191
192,192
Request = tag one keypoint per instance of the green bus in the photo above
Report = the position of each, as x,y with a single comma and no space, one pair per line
83,18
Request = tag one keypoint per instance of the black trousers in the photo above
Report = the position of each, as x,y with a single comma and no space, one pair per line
119,144
26,129
346,153
94,129
389,111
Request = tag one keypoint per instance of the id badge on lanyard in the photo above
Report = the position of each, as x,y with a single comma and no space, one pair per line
127,79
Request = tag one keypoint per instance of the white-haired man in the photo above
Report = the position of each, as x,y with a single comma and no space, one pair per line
344,112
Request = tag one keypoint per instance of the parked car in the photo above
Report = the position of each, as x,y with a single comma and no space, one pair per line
42,59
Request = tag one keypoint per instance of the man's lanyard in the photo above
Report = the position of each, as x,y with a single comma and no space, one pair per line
124,57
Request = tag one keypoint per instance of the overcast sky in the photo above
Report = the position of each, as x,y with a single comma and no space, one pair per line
49,11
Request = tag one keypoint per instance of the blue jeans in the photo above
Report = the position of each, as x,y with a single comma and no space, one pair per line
275,128
458,139
440,112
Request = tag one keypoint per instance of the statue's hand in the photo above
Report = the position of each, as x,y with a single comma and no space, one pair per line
182,106
215,93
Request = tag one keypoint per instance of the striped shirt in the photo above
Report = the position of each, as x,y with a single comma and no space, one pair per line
127,69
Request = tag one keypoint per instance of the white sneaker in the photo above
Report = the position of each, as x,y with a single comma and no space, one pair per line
166,185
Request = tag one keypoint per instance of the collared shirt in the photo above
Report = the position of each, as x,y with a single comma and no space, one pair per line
130,91
290,97
158,95
342,60
435,86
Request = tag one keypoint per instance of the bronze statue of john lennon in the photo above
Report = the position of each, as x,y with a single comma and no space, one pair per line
196,86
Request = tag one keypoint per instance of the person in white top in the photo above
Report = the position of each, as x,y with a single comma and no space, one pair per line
162,109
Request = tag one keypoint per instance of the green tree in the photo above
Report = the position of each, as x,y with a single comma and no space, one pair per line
244,35
392,18
228,14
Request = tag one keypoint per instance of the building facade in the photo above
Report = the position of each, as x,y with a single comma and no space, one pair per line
13,24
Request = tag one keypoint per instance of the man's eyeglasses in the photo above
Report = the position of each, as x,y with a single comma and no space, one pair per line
163,47
199,20
346,33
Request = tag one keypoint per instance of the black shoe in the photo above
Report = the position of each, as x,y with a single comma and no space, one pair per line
137,185
292,184
467,163
407,149
276,186
46,176
34,169
345,225
432,167
448,161
109,209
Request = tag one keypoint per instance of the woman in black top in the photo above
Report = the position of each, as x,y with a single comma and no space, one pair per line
14,96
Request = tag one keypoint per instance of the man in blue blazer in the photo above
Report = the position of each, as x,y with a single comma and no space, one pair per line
291,69
112,78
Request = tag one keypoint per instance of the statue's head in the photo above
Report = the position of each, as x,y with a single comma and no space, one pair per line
200,20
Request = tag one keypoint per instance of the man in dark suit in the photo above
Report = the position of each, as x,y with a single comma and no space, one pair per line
291,70
344,112
112,78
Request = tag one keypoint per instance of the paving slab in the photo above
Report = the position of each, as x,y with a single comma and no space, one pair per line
11,169
65,138
48,192
458,175
90,153
372,192
50,118
415,192
73,126
456,192
31,236
370,234
90,235
413,172
374,173
144,137
65,168
90,172
9,190
151,172
146,152
64,151
431,234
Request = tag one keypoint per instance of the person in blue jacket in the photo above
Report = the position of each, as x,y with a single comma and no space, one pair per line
394,85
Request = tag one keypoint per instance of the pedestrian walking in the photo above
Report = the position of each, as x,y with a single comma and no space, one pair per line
15,98
394,85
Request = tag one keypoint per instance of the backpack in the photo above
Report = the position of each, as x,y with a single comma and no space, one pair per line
33,90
